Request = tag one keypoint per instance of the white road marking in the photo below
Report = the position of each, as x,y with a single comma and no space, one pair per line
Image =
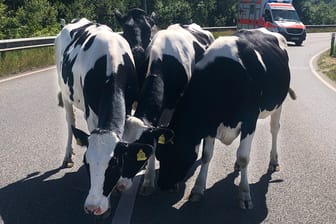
317,75
27,74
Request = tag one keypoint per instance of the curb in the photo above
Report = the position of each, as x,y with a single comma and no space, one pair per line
319,75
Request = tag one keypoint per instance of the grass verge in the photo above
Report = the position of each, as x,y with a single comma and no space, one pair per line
327,65
13,62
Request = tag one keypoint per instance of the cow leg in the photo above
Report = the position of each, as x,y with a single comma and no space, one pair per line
198,190
243,158
148,185
275,127
70,119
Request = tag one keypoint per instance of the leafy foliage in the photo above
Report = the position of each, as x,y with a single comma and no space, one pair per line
28,18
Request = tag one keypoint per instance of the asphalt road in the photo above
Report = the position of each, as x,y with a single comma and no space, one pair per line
34,190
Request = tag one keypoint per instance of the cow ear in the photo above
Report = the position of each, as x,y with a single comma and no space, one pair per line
82,138
120,18
163,135
140,152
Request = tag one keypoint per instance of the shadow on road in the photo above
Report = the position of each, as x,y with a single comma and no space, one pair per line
220,205
36,199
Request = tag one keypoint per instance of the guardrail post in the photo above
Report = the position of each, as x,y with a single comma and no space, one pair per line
3,55
332,47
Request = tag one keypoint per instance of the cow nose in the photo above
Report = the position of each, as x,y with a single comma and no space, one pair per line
121,187
93,210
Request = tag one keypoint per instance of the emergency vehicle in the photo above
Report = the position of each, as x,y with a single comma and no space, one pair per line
275,15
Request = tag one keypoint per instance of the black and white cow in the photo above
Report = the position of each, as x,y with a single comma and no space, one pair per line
172,55
96,74
138,29
240,79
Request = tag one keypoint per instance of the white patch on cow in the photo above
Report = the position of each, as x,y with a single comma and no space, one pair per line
227,134
282,40
100,150
260,60
222,47
134,127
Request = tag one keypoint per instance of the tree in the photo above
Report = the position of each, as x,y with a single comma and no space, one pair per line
173,12
37,18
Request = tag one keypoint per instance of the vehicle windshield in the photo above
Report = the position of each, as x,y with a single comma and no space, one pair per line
285,15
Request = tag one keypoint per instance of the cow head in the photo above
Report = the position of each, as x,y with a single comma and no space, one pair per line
110,163
138,28
175,161
137,130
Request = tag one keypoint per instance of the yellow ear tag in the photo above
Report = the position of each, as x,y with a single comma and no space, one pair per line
162,139
141,156
78,142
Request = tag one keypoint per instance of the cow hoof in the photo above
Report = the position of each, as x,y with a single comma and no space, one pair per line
195,197
146,190
274,168
68,164
245,204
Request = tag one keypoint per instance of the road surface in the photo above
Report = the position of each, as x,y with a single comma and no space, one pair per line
34,190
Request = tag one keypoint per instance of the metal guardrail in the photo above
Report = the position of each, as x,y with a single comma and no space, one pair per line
27,43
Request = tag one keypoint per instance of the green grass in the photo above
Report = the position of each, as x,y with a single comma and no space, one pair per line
13,62
327,65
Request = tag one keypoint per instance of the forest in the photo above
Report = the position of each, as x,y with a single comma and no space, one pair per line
31,18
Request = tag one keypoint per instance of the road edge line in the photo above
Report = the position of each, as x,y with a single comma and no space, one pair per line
27,74
316,74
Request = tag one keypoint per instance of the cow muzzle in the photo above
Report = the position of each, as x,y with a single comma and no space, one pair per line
93,206
124,184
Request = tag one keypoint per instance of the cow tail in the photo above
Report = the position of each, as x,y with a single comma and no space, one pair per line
292,94
60,100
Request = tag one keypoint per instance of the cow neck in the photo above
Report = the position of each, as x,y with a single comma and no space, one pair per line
151,99
112,111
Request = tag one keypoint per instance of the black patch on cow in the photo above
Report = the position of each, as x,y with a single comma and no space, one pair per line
199,51
78,31
81,38
162,88
89,42
112,174
67,74
93,82
276,61
224,92
107,96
